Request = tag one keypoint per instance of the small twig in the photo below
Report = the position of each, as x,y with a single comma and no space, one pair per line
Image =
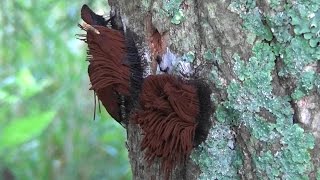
88,27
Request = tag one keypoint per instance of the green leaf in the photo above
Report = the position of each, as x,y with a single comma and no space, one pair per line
24,129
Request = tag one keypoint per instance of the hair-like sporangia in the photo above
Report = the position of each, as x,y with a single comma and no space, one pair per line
115,67
109,76
171,120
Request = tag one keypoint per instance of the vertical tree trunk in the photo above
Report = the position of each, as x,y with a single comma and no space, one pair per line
262,63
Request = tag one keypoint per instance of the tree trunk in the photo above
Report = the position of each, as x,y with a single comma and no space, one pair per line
261,60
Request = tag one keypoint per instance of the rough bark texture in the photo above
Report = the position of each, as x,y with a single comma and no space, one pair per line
265,92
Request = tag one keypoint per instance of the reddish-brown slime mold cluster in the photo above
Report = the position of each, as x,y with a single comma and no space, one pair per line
107,51
109,76
169,108
173,114
115,68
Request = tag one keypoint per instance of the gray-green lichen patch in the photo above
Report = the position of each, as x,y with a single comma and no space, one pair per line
172,9
306,20
217,156
146,4
304,48
254,92
253,23
274,4
296,56
252,18
293,161
226,116
295,29
306,83
242,6
208,55
280,27
159,18
189,57
254,88
219,82
279,31
248,98
216,59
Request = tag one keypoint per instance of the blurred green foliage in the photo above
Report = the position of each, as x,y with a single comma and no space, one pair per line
46,110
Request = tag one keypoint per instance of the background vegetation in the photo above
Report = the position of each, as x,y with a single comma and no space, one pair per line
46,110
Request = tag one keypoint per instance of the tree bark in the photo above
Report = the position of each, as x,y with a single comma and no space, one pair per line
262,63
